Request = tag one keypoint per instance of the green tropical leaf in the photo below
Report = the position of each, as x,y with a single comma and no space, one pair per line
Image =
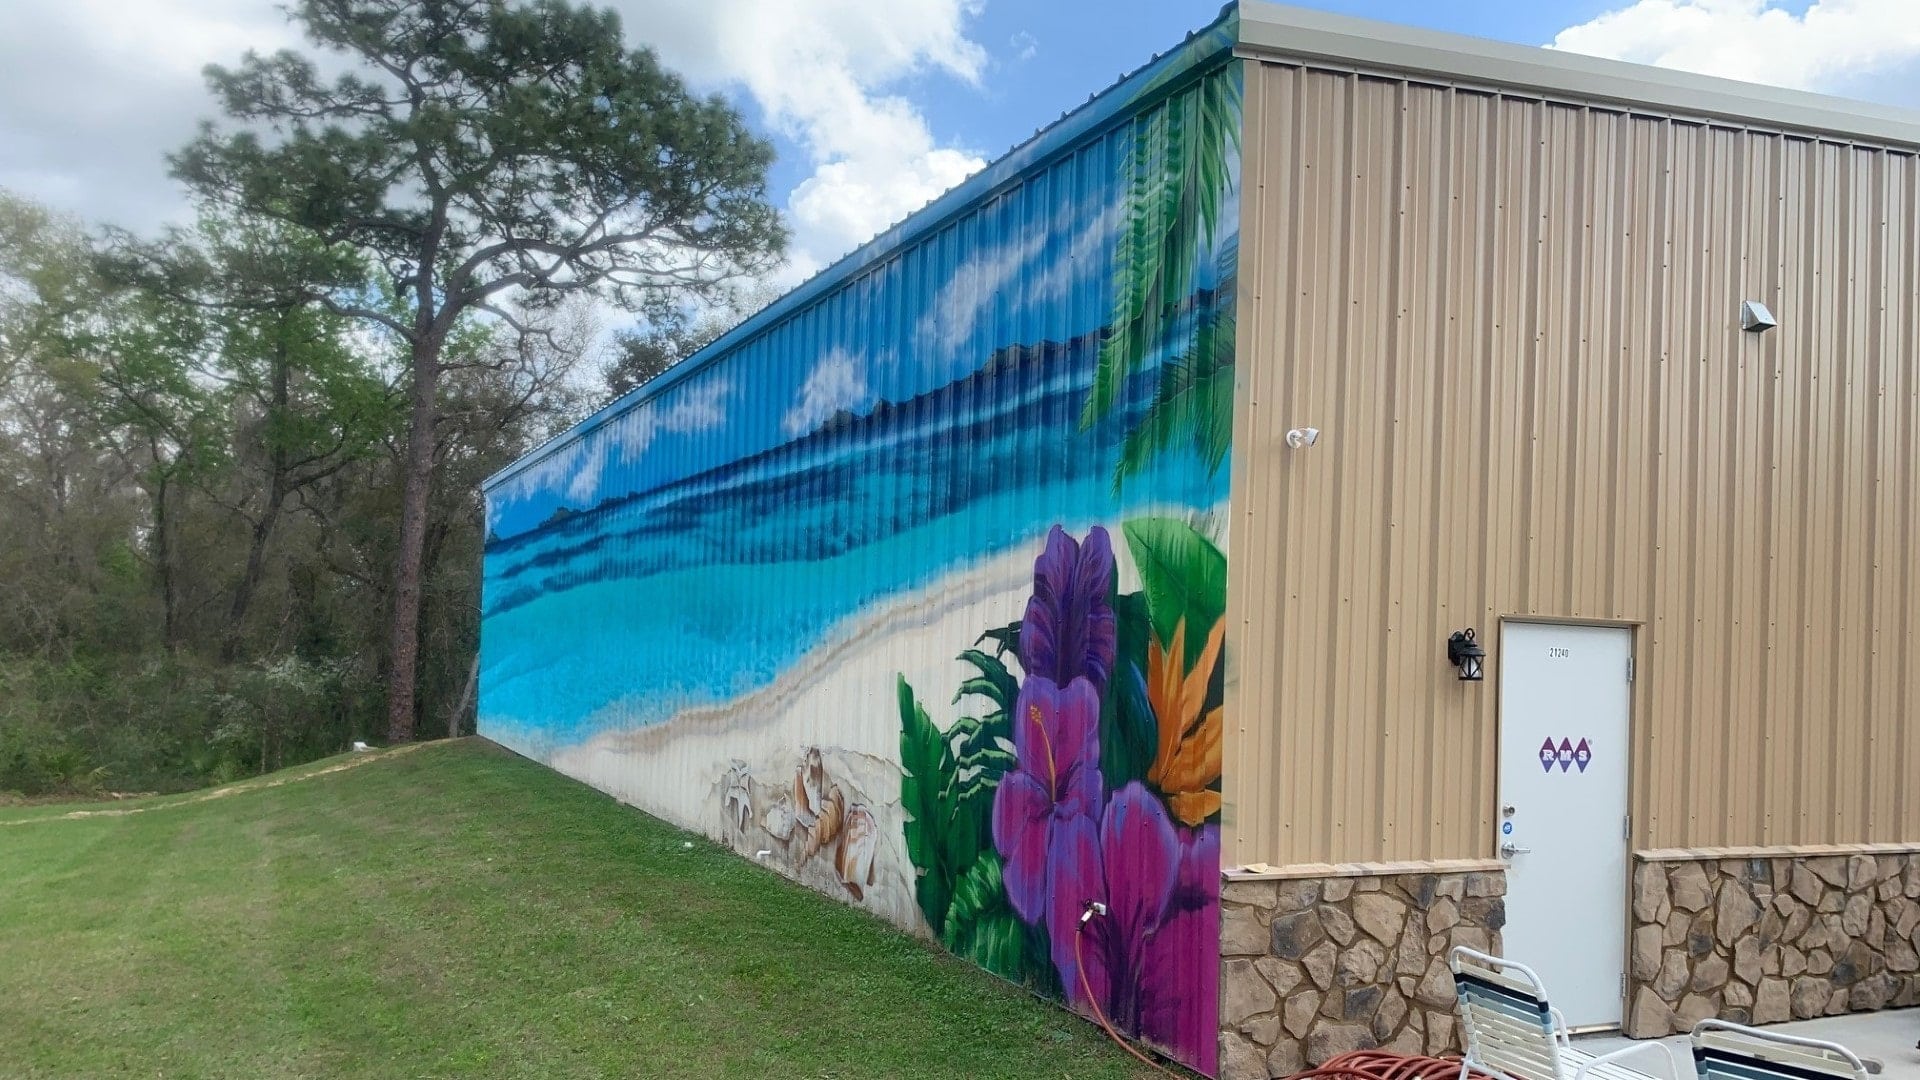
1178,173
1193,405
981,926
1006,639
995,682
973,735
927,770
1184,576
1129,734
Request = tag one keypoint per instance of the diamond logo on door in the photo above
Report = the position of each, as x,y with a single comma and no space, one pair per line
1565,754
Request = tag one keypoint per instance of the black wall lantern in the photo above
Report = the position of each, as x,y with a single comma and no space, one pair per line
1466,654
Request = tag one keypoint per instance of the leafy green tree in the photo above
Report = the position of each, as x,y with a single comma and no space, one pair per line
643,355
481,152
300,400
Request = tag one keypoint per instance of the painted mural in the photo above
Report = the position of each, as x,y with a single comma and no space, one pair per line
917,595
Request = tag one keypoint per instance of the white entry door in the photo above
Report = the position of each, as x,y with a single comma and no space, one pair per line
1562,821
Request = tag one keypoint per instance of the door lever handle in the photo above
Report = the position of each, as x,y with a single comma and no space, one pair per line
1508,850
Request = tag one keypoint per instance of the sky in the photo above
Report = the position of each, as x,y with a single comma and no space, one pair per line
874,106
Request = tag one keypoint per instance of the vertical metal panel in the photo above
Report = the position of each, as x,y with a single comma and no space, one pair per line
1516,324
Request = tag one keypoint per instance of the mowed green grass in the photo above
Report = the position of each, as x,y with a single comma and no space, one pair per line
455,910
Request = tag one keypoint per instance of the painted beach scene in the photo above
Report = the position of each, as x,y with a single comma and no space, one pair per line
915,594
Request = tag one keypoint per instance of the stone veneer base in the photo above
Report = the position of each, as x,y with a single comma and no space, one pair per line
1764,935
1349,958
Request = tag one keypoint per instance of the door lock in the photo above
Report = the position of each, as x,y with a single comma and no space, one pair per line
1509,849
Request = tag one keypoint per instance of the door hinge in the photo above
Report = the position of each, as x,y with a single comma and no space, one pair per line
1626,827
1623,986
1629,669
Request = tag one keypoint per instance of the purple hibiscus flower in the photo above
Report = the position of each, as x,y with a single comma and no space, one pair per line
1152,963
1048,802
1068,629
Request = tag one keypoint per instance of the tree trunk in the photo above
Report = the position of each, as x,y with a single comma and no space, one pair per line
403,643
269,514
163,562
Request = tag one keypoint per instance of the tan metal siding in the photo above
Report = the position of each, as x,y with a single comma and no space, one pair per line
1515,322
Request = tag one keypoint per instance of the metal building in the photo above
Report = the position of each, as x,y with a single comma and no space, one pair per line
1110,530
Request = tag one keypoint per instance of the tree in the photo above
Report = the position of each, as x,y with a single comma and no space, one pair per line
301,402
644,355
482,152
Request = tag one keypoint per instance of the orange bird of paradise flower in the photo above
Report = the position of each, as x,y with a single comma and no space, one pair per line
1188,761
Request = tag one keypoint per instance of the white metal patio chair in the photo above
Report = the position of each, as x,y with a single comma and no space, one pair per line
1512,1031
1728,1051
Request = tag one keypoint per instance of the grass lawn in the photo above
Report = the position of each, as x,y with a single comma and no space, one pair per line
453,910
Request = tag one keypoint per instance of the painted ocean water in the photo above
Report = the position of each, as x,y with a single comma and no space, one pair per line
753,564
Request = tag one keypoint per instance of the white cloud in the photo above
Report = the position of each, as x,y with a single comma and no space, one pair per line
1025,46
826,73
93,93
1832,44
838,382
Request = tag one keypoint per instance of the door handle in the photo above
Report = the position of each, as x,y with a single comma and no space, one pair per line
1508,850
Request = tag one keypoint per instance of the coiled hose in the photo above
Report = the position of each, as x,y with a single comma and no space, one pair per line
1387,1065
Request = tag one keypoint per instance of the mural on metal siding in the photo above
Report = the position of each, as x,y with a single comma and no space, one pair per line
918,596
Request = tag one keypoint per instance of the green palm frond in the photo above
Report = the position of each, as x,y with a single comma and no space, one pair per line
1179,172
1193,404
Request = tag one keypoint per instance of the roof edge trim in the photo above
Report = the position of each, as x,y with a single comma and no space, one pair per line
1277,31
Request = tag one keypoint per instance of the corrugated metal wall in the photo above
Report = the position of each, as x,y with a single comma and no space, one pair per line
1516,323
913,589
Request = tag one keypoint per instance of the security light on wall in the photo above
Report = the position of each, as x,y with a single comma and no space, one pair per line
1755,318
1302,437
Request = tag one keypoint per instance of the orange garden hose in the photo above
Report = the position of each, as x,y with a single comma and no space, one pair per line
1386,1065
1099,1013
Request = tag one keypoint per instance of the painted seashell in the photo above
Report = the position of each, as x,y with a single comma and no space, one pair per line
826,827
809,787
854,859
780,818
736,799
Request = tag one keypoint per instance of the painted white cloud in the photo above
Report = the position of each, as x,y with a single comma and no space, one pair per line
837,382
1086,255
973,287
1832,44
578,467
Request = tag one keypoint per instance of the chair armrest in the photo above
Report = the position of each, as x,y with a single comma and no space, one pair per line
1673,1063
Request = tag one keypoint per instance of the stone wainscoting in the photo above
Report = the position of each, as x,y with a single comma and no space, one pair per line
1319,960
1762,935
